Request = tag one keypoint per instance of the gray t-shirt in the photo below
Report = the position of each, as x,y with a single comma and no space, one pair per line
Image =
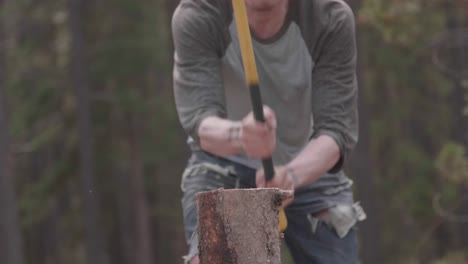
306,73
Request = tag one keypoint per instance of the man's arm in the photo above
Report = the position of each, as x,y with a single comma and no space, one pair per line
198,84
335,91
334,106
224,137
220,136
318,157
199,91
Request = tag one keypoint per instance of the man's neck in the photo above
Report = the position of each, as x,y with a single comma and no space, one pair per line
267,22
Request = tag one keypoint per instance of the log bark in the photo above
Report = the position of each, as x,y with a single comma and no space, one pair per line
239,226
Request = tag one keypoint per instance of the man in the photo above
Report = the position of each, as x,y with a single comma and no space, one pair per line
306,58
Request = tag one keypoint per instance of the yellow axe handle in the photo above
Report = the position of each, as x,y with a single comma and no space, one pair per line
251,75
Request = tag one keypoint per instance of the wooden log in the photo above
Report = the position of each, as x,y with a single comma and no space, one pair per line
240,226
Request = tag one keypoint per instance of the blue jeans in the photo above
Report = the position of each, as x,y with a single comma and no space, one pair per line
310,240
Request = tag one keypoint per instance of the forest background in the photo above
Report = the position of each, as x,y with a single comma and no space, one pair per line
91,151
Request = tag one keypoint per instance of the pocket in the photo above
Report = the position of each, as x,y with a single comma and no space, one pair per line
344,217
314,223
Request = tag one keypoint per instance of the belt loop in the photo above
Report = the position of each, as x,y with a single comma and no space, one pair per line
314,223
237,183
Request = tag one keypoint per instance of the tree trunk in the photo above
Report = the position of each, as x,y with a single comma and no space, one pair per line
165,224
361,171
10,232
50,236
126,219
123,191
134,211
239,226
458,99
95,247
455,21
144,250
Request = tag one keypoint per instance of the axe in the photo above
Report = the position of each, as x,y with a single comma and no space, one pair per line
250,68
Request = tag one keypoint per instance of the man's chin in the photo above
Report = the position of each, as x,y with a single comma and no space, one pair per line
262,6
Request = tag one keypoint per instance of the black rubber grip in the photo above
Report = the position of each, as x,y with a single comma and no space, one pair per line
257,107
268,168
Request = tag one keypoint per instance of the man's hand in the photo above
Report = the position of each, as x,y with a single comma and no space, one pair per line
259,139
283,180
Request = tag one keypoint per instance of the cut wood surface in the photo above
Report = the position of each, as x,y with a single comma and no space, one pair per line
240,226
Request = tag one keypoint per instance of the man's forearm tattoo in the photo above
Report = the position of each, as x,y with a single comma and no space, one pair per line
234,133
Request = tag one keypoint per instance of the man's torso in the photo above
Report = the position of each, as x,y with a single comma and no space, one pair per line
285,66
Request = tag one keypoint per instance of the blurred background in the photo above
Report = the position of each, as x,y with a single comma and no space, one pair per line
91,151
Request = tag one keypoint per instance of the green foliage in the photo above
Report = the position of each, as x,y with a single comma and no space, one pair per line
452,164
36,202
129,58
128,54
285,256
453,258
410,118
402,23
